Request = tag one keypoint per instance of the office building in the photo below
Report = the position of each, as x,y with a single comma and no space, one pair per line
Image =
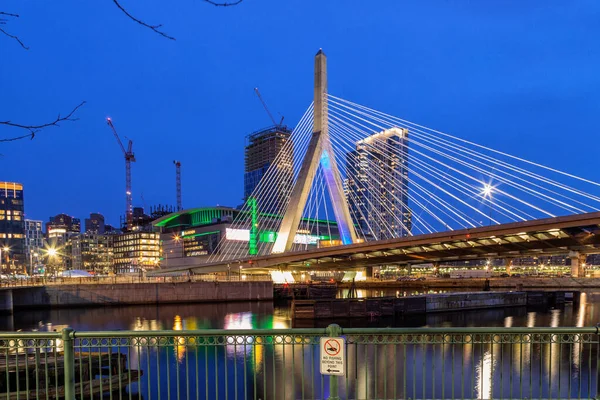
262,148
34,243
92,252
377,184
95,224
135,251
12,227
60,228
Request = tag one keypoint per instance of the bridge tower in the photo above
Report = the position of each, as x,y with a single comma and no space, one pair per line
319,152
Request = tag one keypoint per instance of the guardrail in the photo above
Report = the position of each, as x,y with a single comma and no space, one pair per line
415,363
126,279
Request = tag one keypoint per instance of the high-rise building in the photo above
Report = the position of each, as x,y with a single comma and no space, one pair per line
133,251
12,227
262,148
92,252
95,224
34,242
377,184
60,228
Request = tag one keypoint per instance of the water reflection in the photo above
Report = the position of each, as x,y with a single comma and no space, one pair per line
285,369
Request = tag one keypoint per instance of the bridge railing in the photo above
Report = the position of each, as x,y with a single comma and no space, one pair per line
433,363
126,279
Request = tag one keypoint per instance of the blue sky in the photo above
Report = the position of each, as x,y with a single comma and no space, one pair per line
517,76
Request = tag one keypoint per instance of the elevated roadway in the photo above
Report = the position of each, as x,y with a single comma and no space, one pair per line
575,235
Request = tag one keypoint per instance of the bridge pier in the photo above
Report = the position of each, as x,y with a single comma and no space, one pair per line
577,263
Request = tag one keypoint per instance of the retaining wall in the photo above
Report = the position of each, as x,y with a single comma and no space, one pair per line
136,293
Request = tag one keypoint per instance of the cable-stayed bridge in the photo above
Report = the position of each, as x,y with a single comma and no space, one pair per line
354,187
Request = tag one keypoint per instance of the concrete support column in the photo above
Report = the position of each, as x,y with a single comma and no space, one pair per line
508,262
409,269
577,263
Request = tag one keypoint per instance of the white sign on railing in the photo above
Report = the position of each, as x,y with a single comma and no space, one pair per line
333,360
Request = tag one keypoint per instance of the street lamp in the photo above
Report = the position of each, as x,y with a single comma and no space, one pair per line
487,193
51,252
6,249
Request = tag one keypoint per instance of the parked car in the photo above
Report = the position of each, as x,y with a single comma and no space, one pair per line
504,275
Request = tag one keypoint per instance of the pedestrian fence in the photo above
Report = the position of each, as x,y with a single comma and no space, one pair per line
277,364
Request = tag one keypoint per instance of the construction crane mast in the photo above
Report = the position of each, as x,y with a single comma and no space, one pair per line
178,183
267,108
129,158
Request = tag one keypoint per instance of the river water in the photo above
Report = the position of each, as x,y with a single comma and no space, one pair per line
266,315
527,367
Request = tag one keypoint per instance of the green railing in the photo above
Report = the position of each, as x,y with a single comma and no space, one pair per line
415,363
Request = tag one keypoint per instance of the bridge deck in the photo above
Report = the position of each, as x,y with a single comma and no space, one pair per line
549,236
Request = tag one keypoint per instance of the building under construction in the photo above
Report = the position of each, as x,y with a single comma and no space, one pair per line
262,147
140,221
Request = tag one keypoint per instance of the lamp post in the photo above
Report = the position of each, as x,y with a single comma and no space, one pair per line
52,252
6,249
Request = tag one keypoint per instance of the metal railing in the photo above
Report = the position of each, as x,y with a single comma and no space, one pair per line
120,279
411,363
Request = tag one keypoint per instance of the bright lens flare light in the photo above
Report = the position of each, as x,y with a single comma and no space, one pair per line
52,252
487,190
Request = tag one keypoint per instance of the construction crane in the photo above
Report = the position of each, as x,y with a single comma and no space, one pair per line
178,183
129,158
267,108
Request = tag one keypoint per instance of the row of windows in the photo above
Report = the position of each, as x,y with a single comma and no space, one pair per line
11,236
10,218
9,212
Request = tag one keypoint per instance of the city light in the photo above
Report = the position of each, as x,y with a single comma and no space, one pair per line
487,190
52,252
6,248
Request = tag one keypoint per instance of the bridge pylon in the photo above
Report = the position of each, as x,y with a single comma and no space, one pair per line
319,152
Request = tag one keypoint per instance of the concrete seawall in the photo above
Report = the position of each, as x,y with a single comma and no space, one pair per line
413,305
478,283
129,294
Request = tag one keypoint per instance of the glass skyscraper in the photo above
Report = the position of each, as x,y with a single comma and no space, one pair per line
262,148
377,184
12,227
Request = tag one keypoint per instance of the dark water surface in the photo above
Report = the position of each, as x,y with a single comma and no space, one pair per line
287,367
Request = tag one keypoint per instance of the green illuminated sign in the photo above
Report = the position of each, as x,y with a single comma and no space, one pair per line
253,242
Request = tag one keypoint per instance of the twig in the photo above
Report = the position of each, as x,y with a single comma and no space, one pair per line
33,129
225,4
153,27
9,14
14,37
3,22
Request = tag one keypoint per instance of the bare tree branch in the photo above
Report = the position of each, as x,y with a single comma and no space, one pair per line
33,129
153,27
225,4
9,14
3,22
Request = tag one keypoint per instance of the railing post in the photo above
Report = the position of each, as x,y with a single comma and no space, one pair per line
69,363
333,330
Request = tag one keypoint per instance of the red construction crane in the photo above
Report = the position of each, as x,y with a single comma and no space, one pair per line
178,183
267,108
129,158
